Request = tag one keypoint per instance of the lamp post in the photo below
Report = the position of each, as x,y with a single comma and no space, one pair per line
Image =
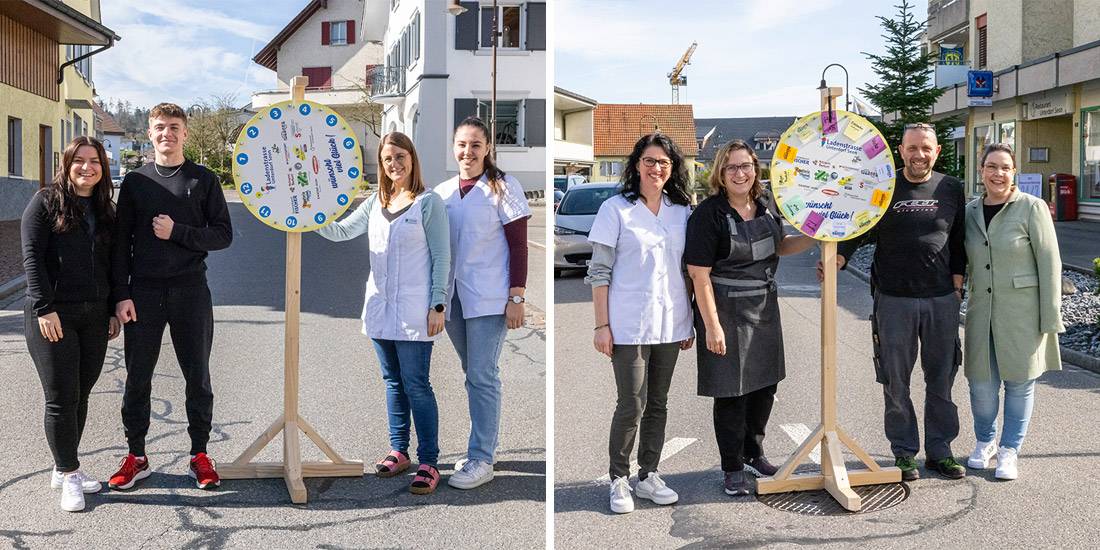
196,109
847,103
456,9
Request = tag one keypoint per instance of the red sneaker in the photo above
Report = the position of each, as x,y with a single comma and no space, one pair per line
203,471
130,471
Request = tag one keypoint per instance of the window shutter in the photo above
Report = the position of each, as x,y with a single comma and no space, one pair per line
466,27
486,26
325,40
464,107
534,122
536,26
351,31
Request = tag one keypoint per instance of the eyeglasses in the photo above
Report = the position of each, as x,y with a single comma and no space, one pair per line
732,169
650,162
994,168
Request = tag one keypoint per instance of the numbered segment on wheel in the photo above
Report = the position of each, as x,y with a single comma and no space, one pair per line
297,165
832,175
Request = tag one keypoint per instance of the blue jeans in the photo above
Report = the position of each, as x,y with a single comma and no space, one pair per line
405,366
984,401
478,342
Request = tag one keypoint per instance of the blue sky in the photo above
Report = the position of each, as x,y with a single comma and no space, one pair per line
183,51
755,57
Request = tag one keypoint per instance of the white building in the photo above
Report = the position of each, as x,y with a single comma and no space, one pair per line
438,71
335,43
573,134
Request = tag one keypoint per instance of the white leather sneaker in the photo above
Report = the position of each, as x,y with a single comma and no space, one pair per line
654,488
72,492
474,473
89,485
621,501
983,453
1006,464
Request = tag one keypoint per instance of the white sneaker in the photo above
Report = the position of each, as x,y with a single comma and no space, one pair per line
72,492
983,453
89,485
654,488
473,473
1006,464
621,501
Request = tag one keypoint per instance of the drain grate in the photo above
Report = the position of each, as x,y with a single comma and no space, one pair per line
821,503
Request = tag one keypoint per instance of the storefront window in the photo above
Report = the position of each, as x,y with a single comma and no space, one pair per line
983,137
1006,133
1090,138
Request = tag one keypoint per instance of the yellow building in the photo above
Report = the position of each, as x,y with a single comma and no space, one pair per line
46,89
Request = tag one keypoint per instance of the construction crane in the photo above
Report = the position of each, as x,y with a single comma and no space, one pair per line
675,78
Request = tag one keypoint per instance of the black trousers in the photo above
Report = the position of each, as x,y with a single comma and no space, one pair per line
189,315
739,424
68,369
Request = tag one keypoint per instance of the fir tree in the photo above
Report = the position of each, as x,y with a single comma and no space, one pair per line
905,87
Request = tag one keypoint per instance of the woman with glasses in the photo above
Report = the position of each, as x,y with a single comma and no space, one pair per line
410,256
734,244
1014,315
643,312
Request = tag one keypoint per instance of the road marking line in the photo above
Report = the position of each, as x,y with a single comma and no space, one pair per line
672,446
537,245
798,433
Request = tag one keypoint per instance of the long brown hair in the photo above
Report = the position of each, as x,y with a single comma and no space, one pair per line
386,186
494,175
61,201
717,170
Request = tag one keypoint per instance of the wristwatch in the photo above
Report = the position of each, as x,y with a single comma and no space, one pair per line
516,299
439,308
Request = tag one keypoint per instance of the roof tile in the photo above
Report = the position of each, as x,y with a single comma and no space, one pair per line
617,127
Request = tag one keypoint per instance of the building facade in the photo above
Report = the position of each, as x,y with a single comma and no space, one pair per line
335,43
1045,60
40,42
573,133
438,71
617,127
761,133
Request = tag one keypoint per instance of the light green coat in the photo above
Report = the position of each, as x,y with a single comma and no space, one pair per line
1015,287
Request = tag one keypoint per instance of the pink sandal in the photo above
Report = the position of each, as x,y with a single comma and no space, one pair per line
393,464
427,477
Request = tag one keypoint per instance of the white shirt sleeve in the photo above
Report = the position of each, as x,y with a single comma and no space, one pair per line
512,204
605,228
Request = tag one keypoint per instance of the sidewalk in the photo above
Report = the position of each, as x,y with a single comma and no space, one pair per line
1079,243
11,258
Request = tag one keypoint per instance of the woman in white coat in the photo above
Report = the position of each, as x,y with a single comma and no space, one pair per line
642,307
403,314
488,215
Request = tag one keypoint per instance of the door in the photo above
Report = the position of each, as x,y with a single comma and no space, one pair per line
45,155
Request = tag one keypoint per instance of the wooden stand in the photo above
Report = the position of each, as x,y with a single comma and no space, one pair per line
291,469
834,476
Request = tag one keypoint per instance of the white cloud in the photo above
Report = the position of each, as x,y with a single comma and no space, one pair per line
181,16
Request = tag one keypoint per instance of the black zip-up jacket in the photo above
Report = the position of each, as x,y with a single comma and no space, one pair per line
61,267
192,198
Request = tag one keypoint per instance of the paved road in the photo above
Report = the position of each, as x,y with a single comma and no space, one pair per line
1051,505
341,395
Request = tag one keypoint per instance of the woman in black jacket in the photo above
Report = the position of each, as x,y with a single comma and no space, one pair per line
66,232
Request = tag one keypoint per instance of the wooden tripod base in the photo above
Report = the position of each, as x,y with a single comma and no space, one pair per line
292,469
834,477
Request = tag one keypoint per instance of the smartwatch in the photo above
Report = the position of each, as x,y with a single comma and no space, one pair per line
516,299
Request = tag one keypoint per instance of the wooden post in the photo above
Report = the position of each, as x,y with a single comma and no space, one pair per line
834,477
292,469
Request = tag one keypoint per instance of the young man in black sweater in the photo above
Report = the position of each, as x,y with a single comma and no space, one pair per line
917,280
170,214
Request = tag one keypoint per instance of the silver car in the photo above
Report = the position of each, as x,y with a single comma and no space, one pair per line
573,221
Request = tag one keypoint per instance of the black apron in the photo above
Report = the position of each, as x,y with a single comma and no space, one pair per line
746,298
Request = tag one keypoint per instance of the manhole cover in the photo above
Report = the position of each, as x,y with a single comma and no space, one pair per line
821,503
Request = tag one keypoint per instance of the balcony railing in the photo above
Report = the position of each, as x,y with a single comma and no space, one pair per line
386,81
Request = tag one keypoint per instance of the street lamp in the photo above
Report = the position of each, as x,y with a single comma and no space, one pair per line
847,103
196,109
455,8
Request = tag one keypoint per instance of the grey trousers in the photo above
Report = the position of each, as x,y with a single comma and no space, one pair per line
899,324
643,374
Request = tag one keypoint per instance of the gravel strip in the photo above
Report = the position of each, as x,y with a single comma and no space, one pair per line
1080,311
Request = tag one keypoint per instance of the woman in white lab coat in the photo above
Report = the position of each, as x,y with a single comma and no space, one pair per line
643,310
488,216
410,254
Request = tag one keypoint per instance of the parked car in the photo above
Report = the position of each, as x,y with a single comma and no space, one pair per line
564,183
116,182
558,194
572,222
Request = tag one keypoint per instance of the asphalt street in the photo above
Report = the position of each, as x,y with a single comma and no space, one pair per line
342,396
1051,505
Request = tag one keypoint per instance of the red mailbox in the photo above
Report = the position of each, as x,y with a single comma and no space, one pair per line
1063,197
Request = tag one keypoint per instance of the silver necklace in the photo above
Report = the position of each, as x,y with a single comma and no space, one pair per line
169,175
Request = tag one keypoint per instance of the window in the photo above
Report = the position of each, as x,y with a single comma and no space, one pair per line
611,168
337,33
15,146
415,37
509,26
1090,160
78,125
979,23
319,77
508,120
983,137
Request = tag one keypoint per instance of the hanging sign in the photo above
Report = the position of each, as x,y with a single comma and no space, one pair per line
297,165
832,175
